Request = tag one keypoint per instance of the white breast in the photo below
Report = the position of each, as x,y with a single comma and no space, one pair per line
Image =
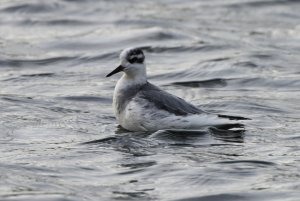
129,115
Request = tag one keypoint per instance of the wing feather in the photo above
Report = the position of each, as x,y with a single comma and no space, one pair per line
166,101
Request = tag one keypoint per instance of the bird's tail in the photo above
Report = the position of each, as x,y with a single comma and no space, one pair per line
203,121
214,120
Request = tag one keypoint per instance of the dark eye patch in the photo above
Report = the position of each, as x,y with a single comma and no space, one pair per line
133,60
136,56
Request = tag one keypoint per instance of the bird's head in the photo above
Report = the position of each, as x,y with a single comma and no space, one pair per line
131,63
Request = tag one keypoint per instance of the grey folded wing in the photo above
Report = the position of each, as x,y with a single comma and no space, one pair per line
165,101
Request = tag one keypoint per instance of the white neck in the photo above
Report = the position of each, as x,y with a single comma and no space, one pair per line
130,79
135,75
134,79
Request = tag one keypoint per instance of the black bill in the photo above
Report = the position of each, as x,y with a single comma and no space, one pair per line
117,70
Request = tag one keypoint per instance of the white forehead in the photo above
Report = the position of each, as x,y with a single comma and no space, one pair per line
124,53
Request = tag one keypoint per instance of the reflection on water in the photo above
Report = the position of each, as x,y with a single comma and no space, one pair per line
58,136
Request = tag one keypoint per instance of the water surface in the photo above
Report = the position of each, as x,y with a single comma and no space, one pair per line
59,139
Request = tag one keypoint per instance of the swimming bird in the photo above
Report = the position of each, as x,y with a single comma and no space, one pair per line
141,106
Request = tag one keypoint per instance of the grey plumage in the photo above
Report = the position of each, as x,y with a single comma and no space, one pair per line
160,99
166,101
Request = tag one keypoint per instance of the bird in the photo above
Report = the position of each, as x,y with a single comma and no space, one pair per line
141,106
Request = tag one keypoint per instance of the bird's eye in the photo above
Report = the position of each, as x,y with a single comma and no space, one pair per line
133,60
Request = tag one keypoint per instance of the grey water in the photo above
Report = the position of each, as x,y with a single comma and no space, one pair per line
59,139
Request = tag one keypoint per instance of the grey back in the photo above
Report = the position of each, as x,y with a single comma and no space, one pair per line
166,101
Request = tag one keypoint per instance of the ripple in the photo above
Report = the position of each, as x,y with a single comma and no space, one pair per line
248,64
87,99
218,197
64,110
32,8
39,75
100,57
262,3
17,98
249,162
137,144
247,106
17,63
224,133
139,164
164,35
184,48
58,22
180,137
213,83
139,195
259,82
100,141
43,197
134,37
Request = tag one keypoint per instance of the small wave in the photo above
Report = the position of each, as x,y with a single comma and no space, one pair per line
87,99
180,137
218,197
261,4
60,22
263,56
157,34
16,98
229,132
32,8
101,57
184,48
213,83
258,82
26,76
39,75
100,141
137,143
243,105
64,110
139,165
248,64
249,162
164,35
33,62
